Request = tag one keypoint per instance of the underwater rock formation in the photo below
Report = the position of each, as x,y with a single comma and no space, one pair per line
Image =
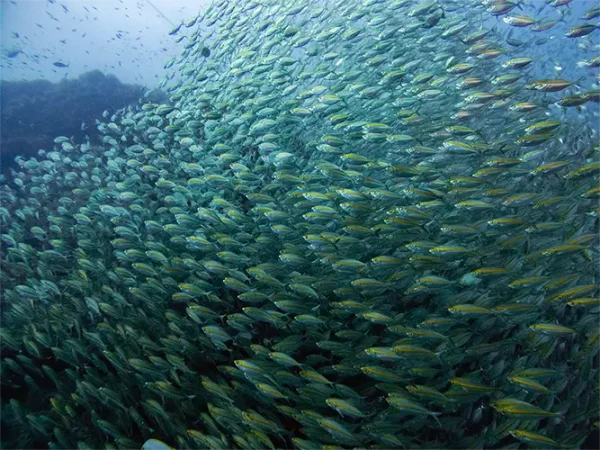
33,112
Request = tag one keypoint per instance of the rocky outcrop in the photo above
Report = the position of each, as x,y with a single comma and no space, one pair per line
34,112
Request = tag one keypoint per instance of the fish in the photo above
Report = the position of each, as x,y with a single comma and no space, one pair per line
347,223
581,30
534,438
155,444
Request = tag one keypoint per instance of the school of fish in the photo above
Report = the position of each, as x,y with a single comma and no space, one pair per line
358,224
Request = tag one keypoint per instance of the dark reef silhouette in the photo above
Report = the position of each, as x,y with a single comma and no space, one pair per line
33,113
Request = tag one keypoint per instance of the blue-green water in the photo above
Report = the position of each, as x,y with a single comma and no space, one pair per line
354,224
